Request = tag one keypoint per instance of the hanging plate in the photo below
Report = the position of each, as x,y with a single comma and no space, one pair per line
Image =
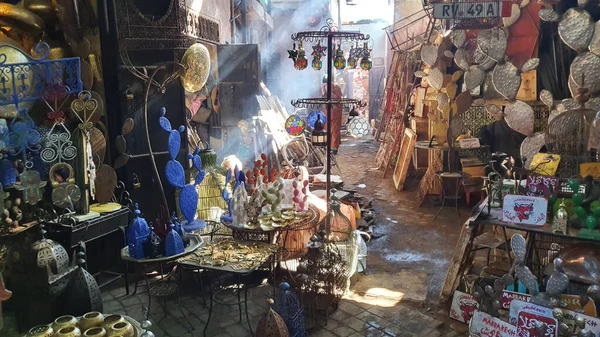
458,38
197,61
515,13
594,46
494,111
585,71
493,42
532,145
435,79
506,80
460,58
463,102
530,65
549,15
429,54
474,77
576,29
547,98
519,116
295,126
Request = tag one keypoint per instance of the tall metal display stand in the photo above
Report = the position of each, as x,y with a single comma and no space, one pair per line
331,34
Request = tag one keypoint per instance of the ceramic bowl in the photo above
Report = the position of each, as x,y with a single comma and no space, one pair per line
124,329
90,320
109,321
64,322
41,331
71,331
95,332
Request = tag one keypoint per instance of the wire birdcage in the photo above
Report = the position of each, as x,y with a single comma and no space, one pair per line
292,311
210,189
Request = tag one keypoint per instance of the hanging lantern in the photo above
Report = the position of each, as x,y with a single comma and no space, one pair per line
293,54
340,61
317,64
318,53
352,58
302,61
319,135
272,325
366,62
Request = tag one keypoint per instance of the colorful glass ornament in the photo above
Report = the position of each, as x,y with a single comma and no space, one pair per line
295,126
302,61
366,63
340,61
318,50
313,116
293,54
317,64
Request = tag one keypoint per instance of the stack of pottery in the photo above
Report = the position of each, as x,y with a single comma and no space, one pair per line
92,324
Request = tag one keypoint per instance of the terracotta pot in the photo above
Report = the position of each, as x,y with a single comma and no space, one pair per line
109,321
64,322
124,329
71,331
41,331
95,332
90,320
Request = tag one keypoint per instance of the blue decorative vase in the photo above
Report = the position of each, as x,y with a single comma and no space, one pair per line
137,233
8,173
173,243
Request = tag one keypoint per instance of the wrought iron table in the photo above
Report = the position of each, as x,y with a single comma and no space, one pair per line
241,276
162,288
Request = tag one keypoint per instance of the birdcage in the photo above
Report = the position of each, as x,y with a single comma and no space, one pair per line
210,189
292,311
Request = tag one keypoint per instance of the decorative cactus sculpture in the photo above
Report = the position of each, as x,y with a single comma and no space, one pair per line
300,198
273,194
259,175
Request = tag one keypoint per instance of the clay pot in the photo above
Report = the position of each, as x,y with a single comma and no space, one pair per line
124,329
71,331
64,322
41,331
90,320
95,332
109,321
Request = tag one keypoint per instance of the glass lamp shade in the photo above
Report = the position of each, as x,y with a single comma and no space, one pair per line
352,62
366,63
319,138
301,63
317,64
339,63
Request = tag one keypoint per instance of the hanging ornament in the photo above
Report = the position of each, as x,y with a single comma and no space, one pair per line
366,62
84,107
295,126
59,146
293,54
353,56
302,61
340,61
317,64
319,135
313,116
31,185
318,53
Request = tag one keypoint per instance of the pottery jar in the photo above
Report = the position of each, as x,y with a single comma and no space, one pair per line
124,329
71,331
95,332
41,331
90,320
109,321
64,322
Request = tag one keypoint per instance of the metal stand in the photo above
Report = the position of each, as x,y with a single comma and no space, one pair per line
240,286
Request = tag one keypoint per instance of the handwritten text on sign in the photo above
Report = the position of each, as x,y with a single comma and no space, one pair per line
469,143
509,296
484,325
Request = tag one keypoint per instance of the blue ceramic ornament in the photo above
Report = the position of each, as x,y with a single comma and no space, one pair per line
137,233
173,243
239,178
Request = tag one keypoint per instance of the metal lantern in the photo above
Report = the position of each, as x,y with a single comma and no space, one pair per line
291,311
272,325
560,221
366,63
319,135
301,61
84,292
340,61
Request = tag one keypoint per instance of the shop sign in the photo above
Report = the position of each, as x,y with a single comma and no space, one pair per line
469,143
468,10
527,321
484,325
509,296
591,323
197,25
524,210
517,306
463,306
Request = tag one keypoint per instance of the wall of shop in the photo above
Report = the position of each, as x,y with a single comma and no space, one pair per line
404,8
218,10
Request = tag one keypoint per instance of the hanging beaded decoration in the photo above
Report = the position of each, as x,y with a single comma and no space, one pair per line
84,107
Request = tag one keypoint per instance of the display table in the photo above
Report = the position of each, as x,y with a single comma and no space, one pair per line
539,239
206,261
162,288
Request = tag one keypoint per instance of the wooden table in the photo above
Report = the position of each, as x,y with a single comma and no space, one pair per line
474,226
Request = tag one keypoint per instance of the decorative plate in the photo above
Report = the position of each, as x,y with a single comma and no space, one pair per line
359,127
295,126
197,60
312,118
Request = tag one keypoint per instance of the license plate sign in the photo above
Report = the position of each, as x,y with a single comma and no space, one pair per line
467,10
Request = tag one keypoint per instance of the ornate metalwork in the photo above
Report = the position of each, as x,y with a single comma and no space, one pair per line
329,30
317,103
59,146
28,81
